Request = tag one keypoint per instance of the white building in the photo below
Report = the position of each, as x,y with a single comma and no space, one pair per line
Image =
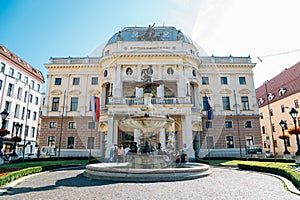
186,78
20,94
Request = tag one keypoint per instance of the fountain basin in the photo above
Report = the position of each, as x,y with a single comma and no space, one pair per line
121,172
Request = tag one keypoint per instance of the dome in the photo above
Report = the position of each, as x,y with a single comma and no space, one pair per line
150,33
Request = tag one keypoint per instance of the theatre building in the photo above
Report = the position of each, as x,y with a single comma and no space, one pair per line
190,83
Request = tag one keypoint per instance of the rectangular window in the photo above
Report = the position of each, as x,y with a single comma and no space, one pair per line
205,103
248,124
70,143
2,67
36,102
19,76
296,103
242,80
38,87
11,72
30,98
91,125
52,124
263,129
51,141
94,81
208,124
20,91
282,108
91,142
210,142
228,124
72,125
32,131
25,96
55,103
23,113
28,114
271,112
205,81
229,142
10,90
32,84
34,115
57,81
1,82
7,106
226,103
26,79
26,130
76,81
245,103
74,104
224,80
17,111
249,140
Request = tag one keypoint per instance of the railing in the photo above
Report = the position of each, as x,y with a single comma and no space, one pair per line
140,100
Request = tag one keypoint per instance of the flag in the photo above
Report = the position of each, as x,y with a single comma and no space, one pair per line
95,105
210,115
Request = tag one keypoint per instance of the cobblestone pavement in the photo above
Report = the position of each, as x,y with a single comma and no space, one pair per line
222,184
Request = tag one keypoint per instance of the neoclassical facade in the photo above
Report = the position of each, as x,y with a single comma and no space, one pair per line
187,79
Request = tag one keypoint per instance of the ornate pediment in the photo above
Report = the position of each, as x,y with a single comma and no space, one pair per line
75,92
244,91
225,91
206,91
56,92
94,92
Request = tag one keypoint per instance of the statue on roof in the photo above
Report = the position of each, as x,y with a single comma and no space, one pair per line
150,35
119,38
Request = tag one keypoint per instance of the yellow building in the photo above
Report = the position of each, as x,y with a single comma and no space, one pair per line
276,98
186,77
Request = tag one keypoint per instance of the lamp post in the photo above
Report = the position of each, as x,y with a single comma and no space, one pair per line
294,114
283,125
17,126
4,115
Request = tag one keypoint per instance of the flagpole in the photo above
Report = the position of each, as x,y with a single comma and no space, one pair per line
61,125
238,125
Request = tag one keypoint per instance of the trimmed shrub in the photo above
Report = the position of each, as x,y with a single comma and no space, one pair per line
291,175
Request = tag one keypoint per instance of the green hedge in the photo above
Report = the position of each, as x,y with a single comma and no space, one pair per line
252,159
18,174
290,174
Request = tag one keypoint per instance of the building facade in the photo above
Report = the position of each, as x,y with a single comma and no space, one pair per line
275,98
20,92
187,79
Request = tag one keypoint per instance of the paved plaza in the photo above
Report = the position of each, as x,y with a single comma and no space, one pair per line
224,183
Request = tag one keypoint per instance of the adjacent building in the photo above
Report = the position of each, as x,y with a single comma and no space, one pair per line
275,98
20,94
190,84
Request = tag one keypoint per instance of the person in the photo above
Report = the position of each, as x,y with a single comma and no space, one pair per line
38,153
159,150
183,157
177,157
121,153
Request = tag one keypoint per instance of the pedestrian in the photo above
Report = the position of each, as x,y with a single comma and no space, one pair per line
38,153
183,158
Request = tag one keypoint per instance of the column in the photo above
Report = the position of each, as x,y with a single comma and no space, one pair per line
118,81
234,86
162,138
253,99
161,91
181,83
137,135
84,99
110,137
187,137
215,100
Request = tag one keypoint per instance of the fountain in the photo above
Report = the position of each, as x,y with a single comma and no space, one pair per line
147,166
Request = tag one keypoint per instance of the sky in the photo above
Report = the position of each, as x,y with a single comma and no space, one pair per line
267,30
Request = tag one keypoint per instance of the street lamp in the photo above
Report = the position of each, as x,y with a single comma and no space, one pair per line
294,114
16,138
4,115
283,125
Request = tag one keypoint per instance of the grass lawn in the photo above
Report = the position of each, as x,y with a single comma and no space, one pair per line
44,163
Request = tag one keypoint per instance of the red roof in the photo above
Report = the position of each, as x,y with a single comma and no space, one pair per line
21,63
288,79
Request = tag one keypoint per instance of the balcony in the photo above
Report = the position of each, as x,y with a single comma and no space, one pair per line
140,100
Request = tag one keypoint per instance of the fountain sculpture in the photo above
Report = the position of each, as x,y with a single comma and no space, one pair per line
146,166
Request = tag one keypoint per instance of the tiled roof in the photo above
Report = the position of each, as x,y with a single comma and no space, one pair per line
21,63
287,82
